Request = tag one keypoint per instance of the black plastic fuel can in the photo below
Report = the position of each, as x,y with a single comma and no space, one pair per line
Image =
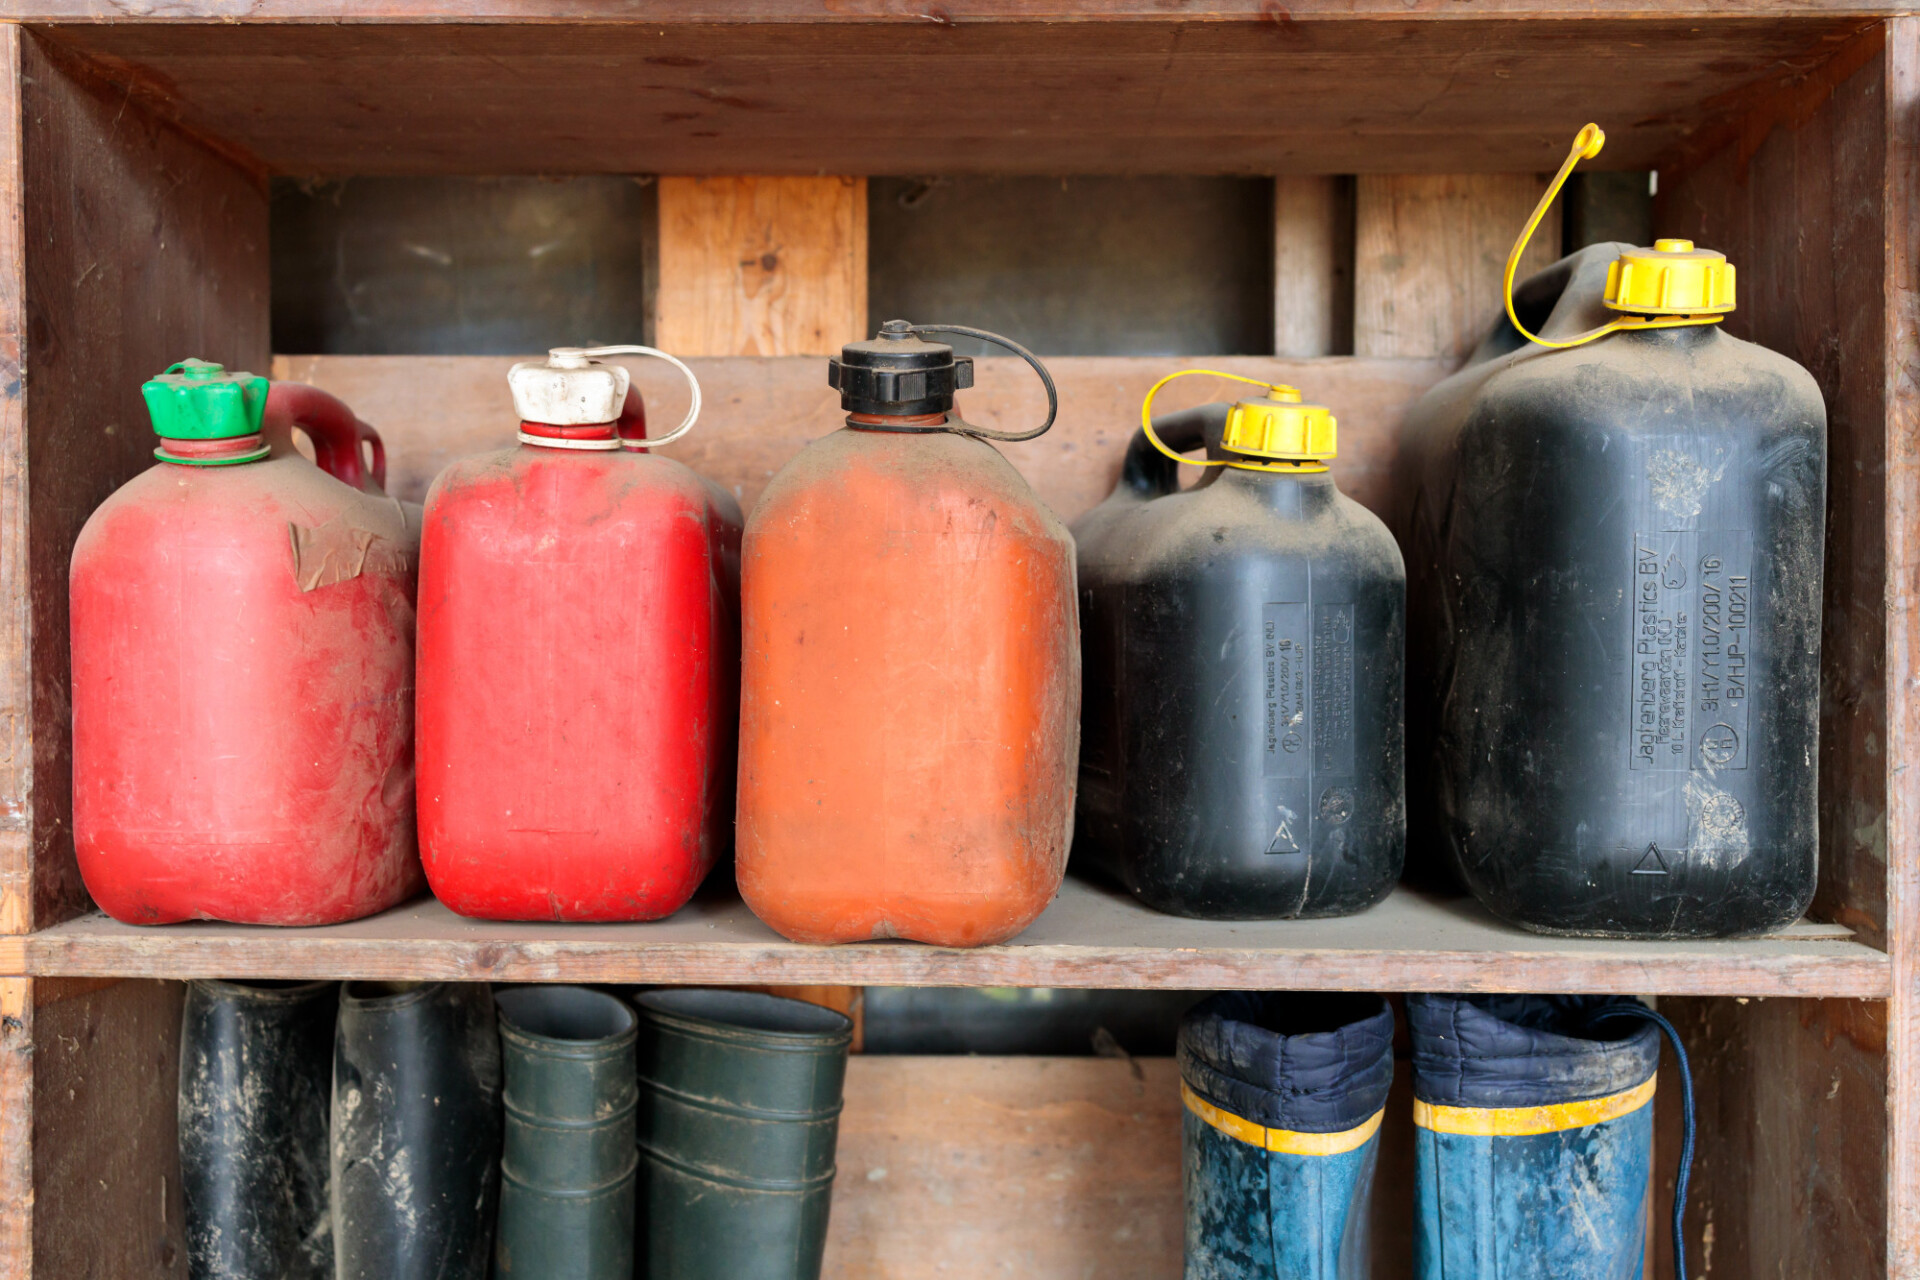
1613,536
1241,747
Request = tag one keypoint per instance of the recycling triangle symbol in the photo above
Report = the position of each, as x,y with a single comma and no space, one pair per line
1651,863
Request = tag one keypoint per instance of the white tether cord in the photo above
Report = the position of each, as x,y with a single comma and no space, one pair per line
693,409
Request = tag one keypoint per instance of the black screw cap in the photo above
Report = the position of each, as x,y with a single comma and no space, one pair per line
898,374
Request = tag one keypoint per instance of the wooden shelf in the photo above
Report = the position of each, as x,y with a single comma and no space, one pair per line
1092,936
690,94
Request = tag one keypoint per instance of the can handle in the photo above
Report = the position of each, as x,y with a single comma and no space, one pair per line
956,423
1146,410
693,383
337,434
1150,475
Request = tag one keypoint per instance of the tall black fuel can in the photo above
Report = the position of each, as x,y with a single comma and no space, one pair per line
1242,644
1613,517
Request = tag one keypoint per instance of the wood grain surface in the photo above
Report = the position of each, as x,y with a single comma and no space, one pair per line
16,601
1313,265
1814,203
1091,936
143,247
947,13
106,1182
1789,1173
768,266
1902,293
1036,1168
1429,251
913,96
430,410
16,1127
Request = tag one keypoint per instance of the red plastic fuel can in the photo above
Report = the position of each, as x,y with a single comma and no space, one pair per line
242,642
579,668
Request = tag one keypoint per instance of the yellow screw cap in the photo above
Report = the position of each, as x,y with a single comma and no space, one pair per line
1671,279
1283,429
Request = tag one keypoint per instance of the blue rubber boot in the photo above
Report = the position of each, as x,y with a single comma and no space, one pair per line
1284,1095
1533,1124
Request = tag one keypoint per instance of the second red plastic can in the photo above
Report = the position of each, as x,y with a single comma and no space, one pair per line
579,668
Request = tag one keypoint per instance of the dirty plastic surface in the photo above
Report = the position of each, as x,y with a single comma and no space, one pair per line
910,694
1614,558
579,674
1242,752
242,641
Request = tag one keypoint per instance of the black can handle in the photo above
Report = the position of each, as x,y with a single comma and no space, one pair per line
956,423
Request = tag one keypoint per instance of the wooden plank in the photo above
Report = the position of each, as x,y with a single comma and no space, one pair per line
761,266
1091,936
1312,265
16,611
140,246
1428,255
1902,194
1344,95
950,13
1813,199
1041,1168
106,1182
431,410
1789,1171
16,1127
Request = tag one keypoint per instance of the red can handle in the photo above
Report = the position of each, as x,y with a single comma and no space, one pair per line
335,431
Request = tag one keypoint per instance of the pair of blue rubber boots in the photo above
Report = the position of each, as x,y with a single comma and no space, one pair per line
1534,1135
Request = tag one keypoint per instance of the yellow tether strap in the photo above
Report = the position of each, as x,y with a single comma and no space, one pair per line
1508,1122
1586,145
1285,1141
1146,412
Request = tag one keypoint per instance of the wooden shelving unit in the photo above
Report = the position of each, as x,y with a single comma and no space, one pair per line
136,141
1091,936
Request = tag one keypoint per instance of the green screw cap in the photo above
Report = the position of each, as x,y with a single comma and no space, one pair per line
200,400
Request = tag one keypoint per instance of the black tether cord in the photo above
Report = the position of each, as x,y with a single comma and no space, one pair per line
1635,1009
1053,398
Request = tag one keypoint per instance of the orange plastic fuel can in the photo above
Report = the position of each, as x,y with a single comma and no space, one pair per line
910,696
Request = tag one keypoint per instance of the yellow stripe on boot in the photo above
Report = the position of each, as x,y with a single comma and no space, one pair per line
1509,1122
1286,1141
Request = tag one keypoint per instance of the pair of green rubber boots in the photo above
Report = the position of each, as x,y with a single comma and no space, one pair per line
692,1131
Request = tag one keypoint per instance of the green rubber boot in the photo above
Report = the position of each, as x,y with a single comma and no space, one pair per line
567,1169
739,1115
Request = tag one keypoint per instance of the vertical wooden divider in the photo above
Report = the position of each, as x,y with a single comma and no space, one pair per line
1813,199
125,245
1902,388
759,266
1313,265
1428,255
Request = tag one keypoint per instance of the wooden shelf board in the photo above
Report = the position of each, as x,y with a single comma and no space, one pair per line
945,13
1092,936
1334,95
